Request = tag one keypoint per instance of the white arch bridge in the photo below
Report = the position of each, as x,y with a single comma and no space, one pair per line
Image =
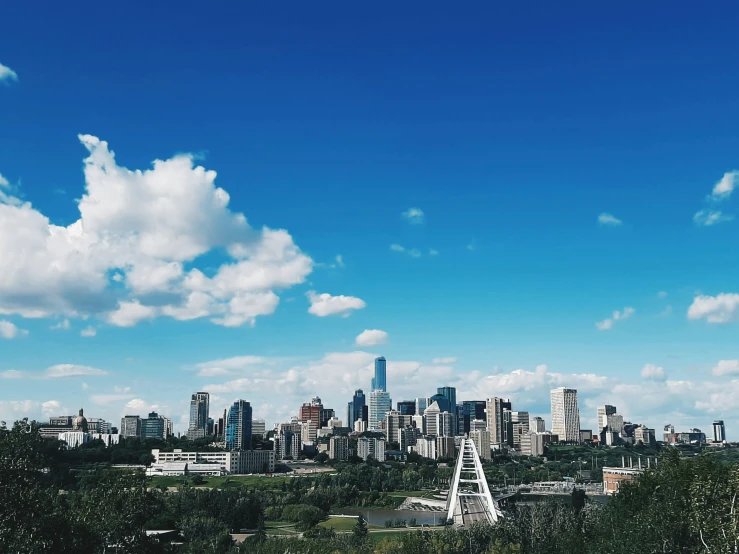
469,499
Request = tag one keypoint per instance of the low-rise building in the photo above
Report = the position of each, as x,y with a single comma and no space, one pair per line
613,477
234,462
74,439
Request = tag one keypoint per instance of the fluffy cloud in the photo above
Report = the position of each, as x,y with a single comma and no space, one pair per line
125,258
325,304
88,332
609,220
722,308
414,216
71,370
371,337
63,324
9,331
227,366
12,374
433,252
726,367
607,323
706,218
7,74
725,186
653,372
412,252
443,361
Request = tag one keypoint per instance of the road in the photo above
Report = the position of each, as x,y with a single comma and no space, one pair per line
472,510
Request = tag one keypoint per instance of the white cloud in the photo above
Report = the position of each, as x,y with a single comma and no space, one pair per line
448,360
63,324
325,304
414,216
106,399
88,332
7,74
653,372
340,261
609,220
138,406
71,370
235,364
9,331
706,218
371,337
725,186
722,308
472,245
51,408
412,252
607,323
726,367
662,294
124,259
433,252
12,374
397,248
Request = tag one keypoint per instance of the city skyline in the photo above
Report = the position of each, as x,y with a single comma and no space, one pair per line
505,225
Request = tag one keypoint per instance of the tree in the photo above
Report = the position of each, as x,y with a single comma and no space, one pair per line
360,530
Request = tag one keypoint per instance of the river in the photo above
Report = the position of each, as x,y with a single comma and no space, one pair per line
378,516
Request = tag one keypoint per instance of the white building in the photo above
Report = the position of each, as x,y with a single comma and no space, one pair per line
360,426
520,426
426,447
478,425
565,414
74,438
107,438
176,469
309,431
235,462
481,438
367,446
421,405
602,414
719,431
258,427
379,404
537,425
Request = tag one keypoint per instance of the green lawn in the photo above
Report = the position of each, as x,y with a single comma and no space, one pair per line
377,536
255,481
342,524
282,528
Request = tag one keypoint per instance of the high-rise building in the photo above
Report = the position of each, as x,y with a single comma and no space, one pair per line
471,410
130,426
367,446
537,425
258,427
408,437
238,426
519,426
481,439
152,427
450,393
445,447
407,407
719,431
533,443
421,405
431,419
497,419
309,431
565,414
442,401
355,408
338,448
603,413
311,410
379,381
199,408
287,444
644,435
426,447
379,404
478,425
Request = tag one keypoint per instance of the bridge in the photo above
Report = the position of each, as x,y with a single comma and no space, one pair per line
469,499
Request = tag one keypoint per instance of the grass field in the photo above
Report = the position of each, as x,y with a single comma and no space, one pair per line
341,524
257,481
281,528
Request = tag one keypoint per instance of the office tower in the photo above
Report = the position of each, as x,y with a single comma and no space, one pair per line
309,431
478,425
644,435
519,426
355,408
393,425
431,419
168,429
533,443
199,407
613,423
471,410
287,444
496,411
442,401
408,437
407,407
258,427
537,425
419,422
445,447
338,448
603,413
367,447
131,426
326,415
152,427
379,381
379,404
565,414
426,447
421,405
719,431
450,393
311,410
238,426
482,443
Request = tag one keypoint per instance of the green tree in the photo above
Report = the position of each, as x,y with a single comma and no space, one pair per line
360,530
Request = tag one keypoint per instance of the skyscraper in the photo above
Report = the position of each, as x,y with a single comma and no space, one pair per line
153,427
537,425
497,421
603,413
238,426
130,426
311,410
407,407
379,381
719,431
565,414
472,410
379,404
199,406
442,401
354,409
450,393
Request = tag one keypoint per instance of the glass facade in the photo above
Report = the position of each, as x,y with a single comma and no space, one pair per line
379,381
238,426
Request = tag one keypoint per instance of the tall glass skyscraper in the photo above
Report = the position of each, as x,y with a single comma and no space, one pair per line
450,393
379,381
199,406
238,426
355,408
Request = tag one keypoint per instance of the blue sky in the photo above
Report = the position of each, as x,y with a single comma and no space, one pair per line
512,129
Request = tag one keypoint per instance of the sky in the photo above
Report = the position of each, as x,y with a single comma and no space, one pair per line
256,199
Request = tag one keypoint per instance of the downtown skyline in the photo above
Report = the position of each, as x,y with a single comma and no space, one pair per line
483,222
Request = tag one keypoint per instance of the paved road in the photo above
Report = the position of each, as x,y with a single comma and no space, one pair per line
472,510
